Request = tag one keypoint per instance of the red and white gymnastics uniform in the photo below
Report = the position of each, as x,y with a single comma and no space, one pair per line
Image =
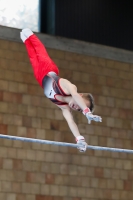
45,70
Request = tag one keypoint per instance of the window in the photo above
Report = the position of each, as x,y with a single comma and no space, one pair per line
20,14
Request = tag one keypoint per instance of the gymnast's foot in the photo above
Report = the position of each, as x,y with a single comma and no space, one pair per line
25,33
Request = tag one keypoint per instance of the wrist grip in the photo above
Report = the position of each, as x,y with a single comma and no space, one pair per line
86,110
80,138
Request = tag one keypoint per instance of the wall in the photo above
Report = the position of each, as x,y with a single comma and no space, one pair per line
43,172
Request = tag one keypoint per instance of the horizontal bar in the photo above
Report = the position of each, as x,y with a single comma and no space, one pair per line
24,139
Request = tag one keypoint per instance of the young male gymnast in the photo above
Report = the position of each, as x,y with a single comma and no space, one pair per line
59,90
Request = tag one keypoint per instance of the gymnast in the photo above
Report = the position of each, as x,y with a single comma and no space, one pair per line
59,90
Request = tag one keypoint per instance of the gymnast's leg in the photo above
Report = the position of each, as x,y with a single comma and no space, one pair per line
46,64
31,53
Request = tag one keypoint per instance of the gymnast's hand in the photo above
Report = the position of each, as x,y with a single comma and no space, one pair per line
91,117
82,144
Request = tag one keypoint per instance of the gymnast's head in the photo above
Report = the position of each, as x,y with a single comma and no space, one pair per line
88,99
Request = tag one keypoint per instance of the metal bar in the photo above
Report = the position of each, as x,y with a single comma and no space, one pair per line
24,139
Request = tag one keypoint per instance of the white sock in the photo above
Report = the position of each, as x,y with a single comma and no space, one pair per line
22,36
27,32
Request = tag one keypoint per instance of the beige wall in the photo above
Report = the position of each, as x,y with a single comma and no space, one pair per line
30,171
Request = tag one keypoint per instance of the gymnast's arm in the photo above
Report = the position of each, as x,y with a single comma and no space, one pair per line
71,123
72,89
74,128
